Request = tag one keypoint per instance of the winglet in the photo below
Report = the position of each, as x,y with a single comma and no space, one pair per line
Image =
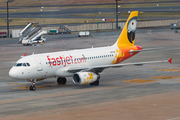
170,60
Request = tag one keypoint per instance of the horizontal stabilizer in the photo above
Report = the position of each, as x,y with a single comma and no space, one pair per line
148,49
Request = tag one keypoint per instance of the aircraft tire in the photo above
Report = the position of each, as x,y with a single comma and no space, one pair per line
61,80
96,83
32,88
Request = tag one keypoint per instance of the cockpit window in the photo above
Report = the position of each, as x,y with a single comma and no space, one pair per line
28,64
21,64
18,64
24,64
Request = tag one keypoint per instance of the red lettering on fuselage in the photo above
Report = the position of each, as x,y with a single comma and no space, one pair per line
64,59
75,61
49,60
68,60
79,60
58,62
71,57
83,59
61,60
53,62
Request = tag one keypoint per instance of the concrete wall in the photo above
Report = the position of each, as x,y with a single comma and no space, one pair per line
108,26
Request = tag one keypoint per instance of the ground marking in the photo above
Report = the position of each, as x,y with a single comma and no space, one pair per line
62,42
164,77
174,118
139,81
171,70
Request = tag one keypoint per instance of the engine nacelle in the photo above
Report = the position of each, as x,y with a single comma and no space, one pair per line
85,77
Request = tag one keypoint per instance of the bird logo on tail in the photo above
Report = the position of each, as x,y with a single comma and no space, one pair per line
131,29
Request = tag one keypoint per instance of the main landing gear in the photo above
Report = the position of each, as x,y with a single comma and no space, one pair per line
32,87
61,80
95,83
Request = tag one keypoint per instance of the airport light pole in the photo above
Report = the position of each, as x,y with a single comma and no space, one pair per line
117,13
8,16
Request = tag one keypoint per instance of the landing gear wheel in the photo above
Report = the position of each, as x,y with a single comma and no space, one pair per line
96,83
32,88
61,80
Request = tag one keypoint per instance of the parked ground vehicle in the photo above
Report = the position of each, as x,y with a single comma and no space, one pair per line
3,34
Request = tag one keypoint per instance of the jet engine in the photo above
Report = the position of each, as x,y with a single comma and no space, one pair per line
85,77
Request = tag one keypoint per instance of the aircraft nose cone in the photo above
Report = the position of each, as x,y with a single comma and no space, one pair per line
12,73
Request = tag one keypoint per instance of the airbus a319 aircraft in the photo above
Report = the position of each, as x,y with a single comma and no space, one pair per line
83,65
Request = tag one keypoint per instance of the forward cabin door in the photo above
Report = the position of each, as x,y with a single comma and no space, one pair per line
39,65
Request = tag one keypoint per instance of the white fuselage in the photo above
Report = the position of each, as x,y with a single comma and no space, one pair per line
56,64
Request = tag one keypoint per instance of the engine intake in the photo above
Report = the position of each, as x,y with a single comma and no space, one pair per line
85,77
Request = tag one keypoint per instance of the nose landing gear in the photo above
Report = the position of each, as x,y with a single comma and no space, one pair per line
32,87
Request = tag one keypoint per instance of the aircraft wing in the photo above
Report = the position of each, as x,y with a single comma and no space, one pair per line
102,67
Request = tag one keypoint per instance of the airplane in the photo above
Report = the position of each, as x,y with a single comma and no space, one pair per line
82,65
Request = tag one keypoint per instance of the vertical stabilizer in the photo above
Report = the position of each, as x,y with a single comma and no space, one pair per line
127,36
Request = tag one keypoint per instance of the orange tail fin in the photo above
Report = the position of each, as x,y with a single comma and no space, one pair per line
127,36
